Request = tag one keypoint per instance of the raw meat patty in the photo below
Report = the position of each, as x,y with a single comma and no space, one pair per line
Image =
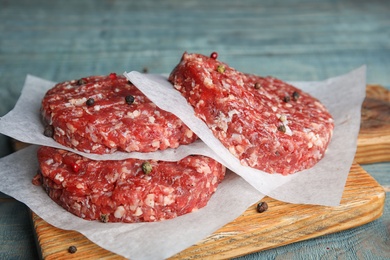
103,114
131,190
266,123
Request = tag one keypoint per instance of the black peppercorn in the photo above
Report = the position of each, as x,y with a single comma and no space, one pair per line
257,85
295,95
282,128
72,249
49,131
286,99
81,81
129,99
90,102
261,207
104,218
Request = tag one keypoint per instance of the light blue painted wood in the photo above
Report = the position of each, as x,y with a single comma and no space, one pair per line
292,40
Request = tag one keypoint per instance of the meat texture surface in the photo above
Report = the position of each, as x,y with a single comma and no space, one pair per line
131,190
266,123
103,114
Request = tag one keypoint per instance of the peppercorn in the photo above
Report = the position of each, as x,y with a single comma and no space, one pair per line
104,218
146,167
72,249
75,167
49,131
286,99
90,102
295,95
221,69
261,207
257,85
145,70
214,55
129,99
282,128
112,76
81,81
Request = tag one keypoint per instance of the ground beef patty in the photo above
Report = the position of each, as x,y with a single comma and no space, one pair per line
131,190
265,122
103,114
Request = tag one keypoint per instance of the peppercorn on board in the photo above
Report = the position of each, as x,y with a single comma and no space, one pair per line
282,223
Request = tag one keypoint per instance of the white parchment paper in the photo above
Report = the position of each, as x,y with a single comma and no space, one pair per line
323,184
158,240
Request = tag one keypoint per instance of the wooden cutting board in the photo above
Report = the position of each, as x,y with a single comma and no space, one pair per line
283,223
374,136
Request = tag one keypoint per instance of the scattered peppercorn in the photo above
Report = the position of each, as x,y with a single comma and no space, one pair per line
221,69
72,249
295,95
145,70
112,76
104,218
49,131
282,128
146,167
81,81
129,99
75,167
90,102
286,99
261,207
214,55
257,85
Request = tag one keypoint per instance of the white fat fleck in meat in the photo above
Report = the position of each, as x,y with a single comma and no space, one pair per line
75,142
68,86
78,101
208,81
59,177
119,212
168,200
96,108
49,161
133,114
189,133
80,186
156,143
152,119
71,127
60,131
274,108
149,201
138,212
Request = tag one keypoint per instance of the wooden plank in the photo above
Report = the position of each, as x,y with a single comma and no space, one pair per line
282,224
374,136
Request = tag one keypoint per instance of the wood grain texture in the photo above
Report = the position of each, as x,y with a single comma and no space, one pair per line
374,136
282,224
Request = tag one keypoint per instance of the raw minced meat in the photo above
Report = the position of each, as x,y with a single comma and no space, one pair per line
266,123
103,114
122,191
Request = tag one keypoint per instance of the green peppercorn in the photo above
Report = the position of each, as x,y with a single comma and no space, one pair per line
146,167
221,69
90,102
129,99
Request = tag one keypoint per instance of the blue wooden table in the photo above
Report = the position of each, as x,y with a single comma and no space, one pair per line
298,40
